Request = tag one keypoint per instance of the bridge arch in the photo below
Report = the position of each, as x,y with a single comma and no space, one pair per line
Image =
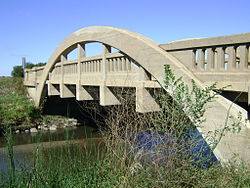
152,58
143,50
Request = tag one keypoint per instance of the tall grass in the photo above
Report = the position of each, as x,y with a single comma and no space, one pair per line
78,166
95,164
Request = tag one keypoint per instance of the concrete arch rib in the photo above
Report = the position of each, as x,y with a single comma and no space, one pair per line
152,58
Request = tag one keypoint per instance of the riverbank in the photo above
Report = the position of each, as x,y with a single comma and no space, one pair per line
80,164
46,123
19,112
15,107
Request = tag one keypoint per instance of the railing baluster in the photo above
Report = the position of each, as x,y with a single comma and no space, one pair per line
193,54
128,64
231,58
220,58
123,64
100,65
210,59
118,64
243,53
111,65
115,64
201,59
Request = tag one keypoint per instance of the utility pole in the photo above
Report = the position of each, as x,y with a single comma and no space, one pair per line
24,62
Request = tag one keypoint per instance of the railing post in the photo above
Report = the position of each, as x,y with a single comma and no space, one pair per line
210,59
201,59
193,58
63,59
220,58
106,50
81,53
232,58
35,73
243,57
26,75
128,64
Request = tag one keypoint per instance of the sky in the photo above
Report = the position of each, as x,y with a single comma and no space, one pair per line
34,28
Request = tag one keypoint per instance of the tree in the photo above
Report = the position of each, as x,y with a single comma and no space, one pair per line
17,71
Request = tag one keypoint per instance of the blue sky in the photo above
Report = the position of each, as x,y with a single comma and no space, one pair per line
33,28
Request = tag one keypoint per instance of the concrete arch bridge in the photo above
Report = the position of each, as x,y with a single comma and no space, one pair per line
139,63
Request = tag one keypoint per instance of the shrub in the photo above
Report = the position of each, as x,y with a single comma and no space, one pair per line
15,106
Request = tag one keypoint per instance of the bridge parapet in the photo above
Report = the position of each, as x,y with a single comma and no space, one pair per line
219,59
33,75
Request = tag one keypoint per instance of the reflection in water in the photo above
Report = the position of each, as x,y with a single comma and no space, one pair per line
59,134
26,143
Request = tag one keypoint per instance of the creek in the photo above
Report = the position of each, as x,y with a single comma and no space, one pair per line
26,143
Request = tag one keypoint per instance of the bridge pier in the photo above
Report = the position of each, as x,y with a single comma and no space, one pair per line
107,98
144,101
65,91
52,90
82,94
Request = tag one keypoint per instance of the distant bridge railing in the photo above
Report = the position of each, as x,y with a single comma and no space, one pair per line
115,63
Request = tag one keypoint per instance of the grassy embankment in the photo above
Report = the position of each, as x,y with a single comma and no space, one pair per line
15,107
117,162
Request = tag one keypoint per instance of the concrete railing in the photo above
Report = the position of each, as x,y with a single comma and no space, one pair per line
227,53
218,56
33,75
115,63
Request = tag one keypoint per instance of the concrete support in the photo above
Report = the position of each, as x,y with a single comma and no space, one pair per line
123,64
201,59
63,59
107,97
243,53
81,53
128,64
65,92
232,58
193,59
106,49
82,93
52,90
210,59
248,101
144,101
220,59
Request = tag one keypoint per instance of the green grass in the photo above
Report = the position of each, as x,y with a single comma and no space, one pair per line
76,166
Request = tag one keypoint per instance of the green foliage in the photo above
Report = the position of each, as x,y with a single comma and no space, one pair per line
92,166
9,141
17,71
182,107
15,106
31,65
